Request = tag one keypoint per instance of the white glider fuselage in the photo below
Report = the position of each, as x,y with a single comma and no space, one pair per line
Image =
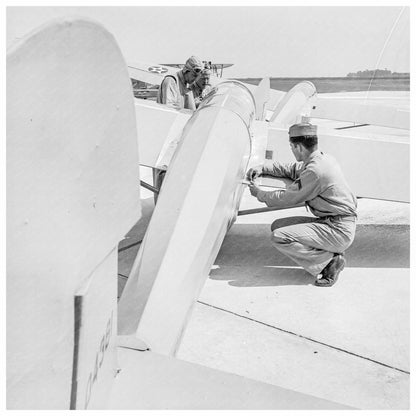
198,202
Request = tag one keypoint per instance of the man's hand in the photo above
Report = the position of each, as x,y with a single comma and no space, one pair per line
254,173
254,189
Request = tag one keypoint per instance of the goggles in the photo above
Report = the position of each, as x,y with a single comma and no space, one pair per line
196,71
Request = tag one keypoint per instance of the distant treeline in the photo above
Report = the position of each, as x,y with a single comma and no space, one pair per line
339,84
378,73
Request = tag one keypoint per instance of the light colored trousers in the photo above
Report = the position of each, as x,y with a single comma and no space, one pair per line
311,242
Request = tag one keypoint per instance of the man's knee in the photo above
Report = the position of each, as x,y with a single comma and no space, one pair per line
279,238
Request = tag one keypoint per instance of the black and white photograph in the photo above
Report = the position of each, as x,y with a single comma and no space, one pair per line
207,206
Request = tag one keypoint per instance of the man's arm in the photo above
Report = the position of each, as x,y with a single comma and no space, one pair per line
283,170
279,170
305,188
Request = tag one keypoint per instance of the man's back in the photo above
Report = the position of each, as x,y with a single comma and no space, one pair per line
169,93
335,196
174,93
318,181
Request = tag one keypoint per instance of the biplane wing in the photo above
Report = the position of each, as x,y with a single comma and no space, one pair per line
216,68
149,73
154,73
211,64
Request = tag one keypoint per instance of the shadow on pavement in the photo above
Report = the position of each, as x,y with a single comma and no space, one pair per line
262,276
375,246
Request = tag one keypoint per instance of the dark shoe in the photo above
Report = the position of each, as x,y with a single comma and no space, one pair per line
331,272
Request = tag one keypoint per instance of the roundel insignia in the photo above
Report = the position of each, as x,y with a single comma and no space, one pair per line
157,69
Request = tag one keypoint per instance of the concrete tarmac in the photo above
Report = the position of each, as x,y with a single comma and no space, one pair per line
261,317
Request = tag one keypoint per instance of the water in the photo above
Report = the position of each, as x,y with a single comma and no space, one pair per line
338,84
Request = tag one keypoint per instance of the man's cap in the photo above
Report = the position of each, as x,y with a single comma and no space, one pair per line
194,62
303,129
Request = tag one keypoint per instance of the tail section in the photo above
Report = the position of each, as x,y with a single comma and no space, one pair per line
261,97
296,103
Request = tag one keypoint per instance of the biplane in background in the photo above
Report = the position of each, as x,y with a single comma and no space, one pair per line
217,69
146,90
72,194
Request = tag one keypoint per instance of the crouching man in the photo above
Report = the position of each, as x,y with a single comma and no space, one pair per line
317,244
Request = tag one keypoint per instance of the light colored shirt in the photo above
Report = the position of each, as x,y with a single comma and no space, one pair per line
318,182
175,93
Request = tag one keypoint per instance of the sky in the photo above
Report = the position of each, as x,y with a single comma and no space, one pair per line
259,40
